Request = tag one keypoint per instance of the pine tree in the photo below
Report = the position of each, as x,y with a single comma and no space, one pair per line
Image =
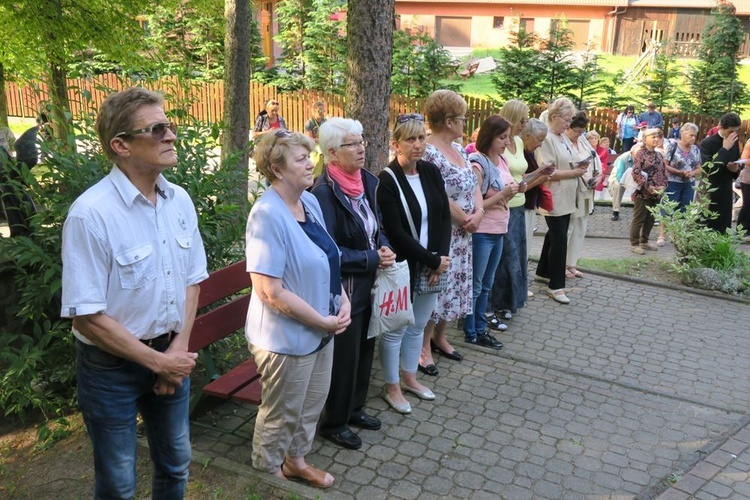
557,67
292,16
419,63
517,74
325,48
715,86
659,83
585,80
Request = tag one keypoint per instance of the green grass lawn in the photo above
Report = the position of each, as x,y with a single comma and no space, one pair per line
20,125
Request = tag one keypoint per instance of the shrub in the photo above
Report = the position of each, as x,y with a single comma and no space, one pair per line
37,360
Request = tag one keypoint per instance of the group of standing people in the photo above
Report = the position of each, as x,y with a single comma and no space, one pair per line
132,268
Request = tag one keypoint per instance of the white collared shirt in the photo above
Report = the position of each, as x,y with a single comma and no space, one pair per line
129,259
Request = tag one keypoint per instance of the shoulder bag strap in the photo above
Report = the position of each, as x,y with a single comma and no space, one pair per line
406,205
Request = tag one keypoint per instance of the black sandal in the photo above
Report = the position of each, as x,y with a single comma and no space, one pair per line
430,370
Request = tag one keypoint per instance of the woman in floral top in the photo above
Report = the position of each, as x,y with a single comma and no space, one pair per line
446,112
683,165
650,174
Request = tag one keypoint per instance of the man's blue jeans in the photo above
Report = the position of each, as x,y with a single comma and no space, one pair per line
486,252
111,393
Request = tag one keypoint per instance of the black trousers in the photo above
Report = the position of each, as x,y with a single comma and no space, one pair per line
350,374
554,251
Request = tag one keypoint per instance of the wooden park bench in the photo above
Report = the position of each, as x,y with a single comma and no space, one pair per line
242,383
471,68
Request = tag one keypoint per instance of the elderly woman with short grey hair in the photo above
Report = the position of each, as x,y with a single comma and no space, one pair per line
683,165
533,134
346,193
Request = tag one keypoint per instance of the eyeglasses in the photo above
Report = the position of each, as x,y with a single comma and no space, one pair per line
362,143
410,116
157,130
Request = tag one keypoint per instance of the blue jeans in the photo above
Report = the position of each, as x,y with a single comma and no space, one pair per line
681,192
486,252
111,393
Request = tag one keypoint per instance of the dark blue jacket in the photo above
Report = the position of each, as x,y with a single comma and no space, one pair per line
358,262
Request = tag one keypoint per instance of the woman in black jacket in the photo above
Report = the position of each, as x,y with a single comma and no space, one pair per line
346,193
424,190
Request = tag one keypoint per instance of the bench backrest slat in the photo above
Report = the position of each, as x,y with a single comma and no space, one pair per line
218,323
223,283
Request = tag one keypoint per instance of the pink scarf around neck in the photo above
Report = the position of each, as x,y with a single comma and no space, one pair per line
350,184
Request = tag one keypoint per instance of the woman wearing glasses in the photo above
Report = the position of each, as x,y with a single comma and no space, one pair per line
446,112
563,184
422,188
346,193
269,120
296,308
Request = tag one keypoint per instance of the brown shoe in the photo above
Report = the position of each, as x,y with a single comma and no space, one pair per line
637,250
310,475
649,247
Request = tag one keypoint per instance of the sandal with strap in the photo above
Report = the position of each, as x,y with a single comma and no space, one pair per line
310,475
661,241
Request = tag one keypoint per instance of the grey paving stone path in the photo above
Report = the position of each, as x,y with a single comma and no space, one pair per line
632,391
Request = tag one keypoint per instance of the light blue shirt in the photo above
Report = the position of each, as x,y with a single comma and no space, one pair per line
277,246
131,259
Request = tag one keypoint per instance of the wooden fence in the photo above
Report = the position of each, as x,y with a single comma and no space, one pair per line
205,101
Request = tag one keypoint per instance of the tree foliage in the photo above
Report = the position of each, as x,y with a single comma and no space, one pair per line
713,82
292,17
325,47
659,84
419,63
556,60
517,74
586,81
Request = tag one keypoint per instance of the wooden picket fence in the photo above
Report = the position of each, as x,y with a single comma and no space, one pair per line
205,101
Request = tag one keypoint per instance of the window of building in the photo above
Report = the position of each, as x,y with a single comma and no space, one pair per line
526,24
497,22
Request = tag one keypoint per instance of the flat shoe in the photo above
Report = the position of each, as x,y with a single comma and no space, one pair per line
504,314
345,439
541,279
455,355
310,475
575,272
430,370
365,421
427,394
404,408
558,296
529,293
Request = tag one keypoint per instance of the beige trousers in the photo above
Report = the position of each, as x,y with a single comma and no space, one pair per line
576,235
294,391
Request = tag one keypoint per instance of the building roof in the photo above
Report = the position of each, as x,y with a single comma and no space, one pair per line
576,3
742,6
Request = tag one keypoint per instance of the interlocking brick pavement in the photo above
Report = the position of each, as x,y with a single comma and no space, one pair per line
627,388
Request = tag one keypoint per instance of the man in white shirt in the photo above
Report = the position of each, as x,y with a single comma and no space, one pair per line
132,261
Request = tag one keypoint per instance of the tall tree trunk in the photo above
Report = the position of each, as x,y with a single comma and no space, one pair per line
369,31
237,89
58,90
3,99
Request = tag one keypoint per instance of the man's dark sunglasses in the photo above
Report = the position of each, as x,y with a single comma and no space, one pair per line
157,130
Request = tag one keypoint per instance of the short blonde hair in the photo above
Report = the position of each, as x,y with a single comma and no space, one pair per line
651,131
273,148
441,105
514,111
559,107
592,134
410,128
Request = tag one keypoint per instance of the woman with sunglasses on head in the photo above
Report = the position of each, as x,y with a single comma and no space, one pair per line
422,188
268,120
627,128
297,306
497,187
346,193
446,113
579,219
